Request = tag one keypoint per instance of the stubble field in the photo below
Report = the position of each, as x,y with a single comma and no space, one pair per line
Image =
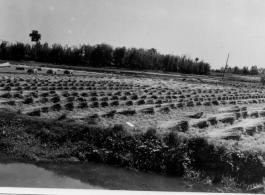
226,115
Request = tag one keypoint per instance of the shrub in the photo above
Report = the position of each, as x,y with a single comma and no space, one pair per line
118,128
92,119
151,133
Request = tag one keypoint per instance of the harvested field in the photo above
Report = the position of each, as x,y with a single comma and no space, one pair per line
233,117
144,102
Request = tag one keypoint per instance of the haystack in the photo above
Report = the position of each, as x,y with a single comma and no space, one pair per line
181,126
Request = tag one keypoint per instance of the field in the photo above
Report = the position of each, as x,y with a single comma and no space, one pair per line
228,114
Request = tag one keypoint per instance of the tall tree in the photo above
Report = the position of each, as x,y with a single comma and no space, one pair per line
35,36
254,70
245,70
236,70
119,56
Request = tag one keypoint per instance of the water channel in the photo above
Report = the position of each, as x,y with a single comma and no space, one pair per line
17,173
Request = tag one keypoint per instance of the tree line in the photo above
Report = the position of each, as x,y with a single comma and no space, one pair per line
103,55
254,70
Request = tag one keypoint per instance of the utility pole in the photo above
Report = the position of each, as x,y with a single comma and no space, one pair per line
225,66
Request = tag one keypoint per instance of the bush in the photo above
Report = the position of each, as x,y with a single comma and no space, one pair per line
118,129
151,132
92,121
29,136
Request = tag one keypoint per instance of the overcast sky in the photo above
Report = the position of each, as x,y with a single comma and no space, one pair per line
207,29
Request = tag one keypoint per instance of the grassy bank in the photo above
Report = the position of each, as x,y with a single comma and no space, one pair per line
170,153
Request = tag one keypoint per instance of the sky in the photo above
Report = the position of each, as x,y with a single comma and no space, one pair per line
207,29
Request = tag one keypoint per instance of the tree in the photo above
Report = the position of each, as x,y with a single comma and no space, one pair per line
35,36
101,55
236,70
119,56
245,70
254,70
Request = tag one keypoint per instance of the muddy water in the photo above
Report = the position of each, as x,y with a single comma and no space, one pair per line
14,173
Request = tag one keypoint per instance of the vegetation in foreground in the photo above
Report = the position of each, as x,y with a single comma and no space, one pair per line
168,153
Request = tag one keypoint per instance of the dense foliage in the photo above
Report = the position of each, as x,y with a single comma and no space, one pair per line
34,138
103,55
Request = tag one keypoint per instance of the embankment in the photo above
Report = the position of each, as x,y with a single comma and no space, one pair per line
49,140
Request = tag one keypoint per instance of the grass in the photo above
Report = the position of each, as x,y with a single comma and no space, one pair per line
172,153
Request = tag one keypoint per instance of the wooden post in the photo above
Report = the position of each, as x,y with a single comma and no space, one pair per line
225,66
